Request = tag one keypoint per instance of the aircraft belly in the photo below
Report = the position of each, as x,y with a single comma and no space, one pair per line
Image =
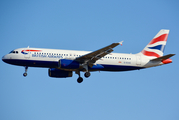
32,63
120,68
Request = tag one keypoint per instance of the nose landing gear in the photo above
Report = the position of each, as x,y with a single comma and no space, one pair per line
25,74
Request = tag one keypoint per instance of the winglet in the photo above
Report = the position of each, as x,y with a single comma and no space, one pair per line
120,43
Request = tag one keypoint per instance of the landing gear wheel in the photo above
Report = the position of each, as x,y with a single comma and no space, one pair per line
25,74
87,74
80,79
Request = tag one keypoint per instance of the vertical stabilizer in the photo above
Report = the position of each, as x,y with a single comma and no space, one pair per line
156,46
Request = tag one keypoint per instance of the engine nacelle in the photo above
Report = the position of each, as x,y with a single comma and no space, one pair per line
68,64
53,72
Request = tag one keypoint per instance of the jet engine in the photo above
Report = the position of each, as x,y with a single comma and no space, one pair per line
53,72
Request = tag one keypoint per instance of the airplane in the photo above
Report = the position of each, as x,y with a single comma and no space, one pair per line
62,63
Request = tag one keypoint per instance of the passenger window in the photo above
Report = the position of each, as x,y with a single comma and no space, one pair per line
16,51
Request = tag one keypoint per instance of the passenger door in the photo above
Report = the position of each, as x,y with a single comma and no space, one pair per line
138,60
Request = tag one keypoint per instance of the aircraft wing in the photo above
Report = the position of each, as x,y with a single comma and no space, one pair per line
92,57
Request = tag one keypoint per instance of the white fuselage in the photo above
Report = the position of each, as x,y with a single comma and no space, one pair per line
37,57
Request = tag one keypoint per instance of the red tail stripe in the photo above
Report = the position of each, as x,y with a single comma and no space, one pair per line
147,53
160,38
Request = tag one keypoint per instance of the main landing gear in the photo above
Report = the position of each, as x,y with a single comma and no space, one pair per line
25,74
87,74
80,79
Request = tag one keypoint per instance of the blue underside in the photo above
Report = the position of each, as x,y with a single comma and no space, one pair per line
50,64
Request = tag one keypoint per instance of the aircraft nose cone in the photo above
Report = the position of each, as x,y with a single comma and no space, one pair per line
4,58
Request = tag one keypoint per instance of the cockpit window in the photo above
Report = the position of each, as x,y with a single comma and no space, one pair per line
14,51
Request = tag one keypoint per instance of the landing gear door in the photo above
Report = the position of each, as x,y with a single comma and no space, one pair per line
138,60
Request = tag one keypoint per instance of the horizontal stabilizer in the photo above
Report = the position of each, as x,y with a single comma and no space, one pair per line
163,57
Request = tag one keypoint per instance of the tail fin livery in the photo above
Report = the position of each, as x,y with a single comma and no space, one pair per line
156,46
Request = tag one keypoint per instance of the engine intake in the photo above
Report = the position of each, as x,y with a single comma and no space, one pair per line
53,72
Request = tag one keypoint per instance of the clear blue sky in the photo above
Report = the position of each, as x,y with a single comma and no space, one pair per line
148,94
